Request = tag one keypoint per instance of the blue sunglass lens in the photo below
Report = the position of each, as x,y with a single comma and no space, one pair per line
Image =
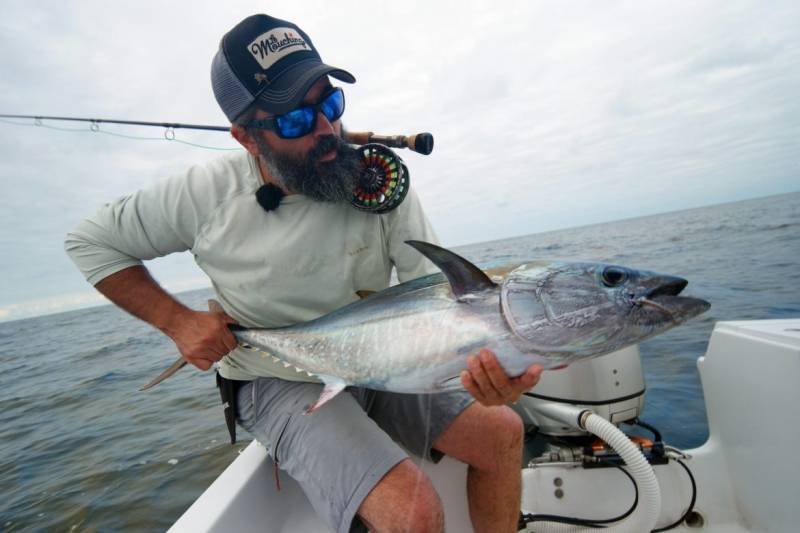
296,123
301,121
333,105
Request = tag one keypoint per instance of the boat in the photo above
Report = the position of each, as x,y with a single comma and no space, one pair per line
742,479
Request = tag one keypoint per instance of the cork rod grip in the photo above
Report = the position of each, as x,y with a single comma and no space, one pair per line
420,142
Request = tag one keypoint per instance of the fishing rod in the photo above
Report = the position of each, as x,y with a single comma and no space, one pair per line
421,143
380,186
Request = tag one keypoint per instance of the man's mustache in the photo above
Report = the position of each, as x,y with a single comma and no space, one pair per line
325,145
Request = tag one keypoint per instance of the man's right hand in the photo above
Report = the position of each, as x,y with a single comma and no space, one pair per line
203,338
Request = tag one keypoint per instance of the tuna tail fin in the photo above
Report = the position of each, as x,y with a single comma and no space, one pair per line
214,307
177,365
333,386
464,277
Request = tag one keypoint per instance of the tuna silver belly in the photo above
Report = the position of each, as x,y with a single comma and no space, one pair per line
419,347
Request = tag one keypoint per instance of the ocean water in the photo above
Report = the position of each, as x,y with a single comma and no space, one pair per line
82,450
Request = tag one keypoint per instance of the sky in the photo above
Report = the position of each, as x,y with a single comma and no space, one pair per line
546,114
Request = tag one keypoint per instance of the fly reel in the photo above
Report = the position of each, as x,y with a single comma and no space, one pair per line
382,182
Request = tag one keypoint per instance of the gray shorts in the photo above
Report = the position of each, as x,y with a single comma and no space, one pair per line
340,452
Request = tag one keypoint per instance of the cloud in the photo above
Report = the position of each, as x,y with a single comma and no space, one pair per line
50,305
546,114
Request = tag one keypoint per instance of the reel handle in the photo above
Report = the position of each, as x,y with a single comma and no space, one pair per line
421,143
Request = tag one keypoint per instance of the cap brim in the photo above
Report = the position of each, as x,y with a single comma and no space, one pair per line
288,90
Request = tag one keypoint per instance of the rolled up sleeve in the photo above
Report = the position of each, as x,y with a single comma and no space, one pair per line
150,223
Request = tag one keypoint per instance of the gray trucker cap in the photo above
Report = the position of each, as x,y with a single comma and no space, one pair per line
268,60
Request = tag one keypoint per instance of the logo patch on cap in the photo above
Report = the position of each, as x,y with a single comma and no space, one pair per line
275,44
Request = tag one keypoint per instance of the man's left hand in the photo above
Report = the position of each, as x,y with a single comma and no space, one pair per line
486,380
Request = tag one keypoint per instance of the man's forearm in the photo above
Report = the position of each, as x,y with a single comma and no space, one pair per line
201,337
134,290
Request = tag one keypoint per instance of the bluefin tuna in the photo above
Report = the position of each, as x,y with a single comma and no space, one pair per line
415,337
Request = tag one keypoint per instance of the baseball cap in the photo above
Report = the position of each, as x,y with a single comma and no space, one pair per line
268,60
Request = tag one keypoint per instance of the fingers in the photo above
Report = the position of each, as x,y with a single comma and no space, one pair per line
229,342
216,339
205,339
488,382
529,379
212,349
202,360
498,380
202,364
478,384
469,385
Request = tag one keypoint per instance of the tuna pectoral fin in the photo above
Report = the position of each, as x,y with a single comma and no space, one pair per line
464,277
333,386
177,365
215,307
451,383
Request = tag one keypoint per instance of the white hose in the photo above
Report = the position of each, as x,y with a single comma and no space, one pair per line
648,509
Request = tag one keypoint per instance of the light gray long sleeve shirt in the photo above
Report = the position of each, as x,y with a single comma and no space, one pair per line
272,269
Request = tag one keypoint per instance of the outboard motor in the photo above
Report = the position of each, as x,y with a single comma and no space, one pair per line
612,386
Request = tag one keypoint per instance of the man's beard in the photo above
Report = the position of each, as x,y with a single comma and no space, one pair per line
323,181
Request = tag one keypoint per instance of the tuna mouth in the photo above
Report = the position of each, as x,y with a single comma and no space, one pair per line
664,299
670,287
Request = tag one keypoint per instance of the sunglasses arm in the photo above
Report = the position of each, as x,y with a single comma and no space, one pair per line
421,142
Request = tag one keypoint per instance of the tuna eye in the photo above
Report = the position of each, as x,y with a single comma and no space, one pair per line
614,276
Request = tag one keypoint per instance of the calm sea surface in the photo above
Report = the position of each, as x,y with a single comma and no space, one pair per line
81,449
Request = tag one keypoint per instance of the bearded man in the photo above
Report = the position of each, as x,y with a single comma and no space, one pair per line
273,229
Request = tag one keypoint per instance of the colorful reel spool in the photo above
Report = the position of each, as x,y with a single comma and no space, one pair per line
383,181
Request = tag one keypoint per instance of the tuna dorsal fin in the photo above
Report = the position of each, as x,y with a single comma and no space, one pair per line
365,293
464,277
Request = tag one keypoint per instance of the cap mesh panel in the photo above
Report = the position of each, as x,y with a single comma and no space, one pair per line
232,96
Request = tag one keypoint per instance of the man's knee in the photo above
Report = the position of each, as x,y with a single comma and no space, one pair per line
496,429
425,514
404,500
506,428
488,438
502,439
